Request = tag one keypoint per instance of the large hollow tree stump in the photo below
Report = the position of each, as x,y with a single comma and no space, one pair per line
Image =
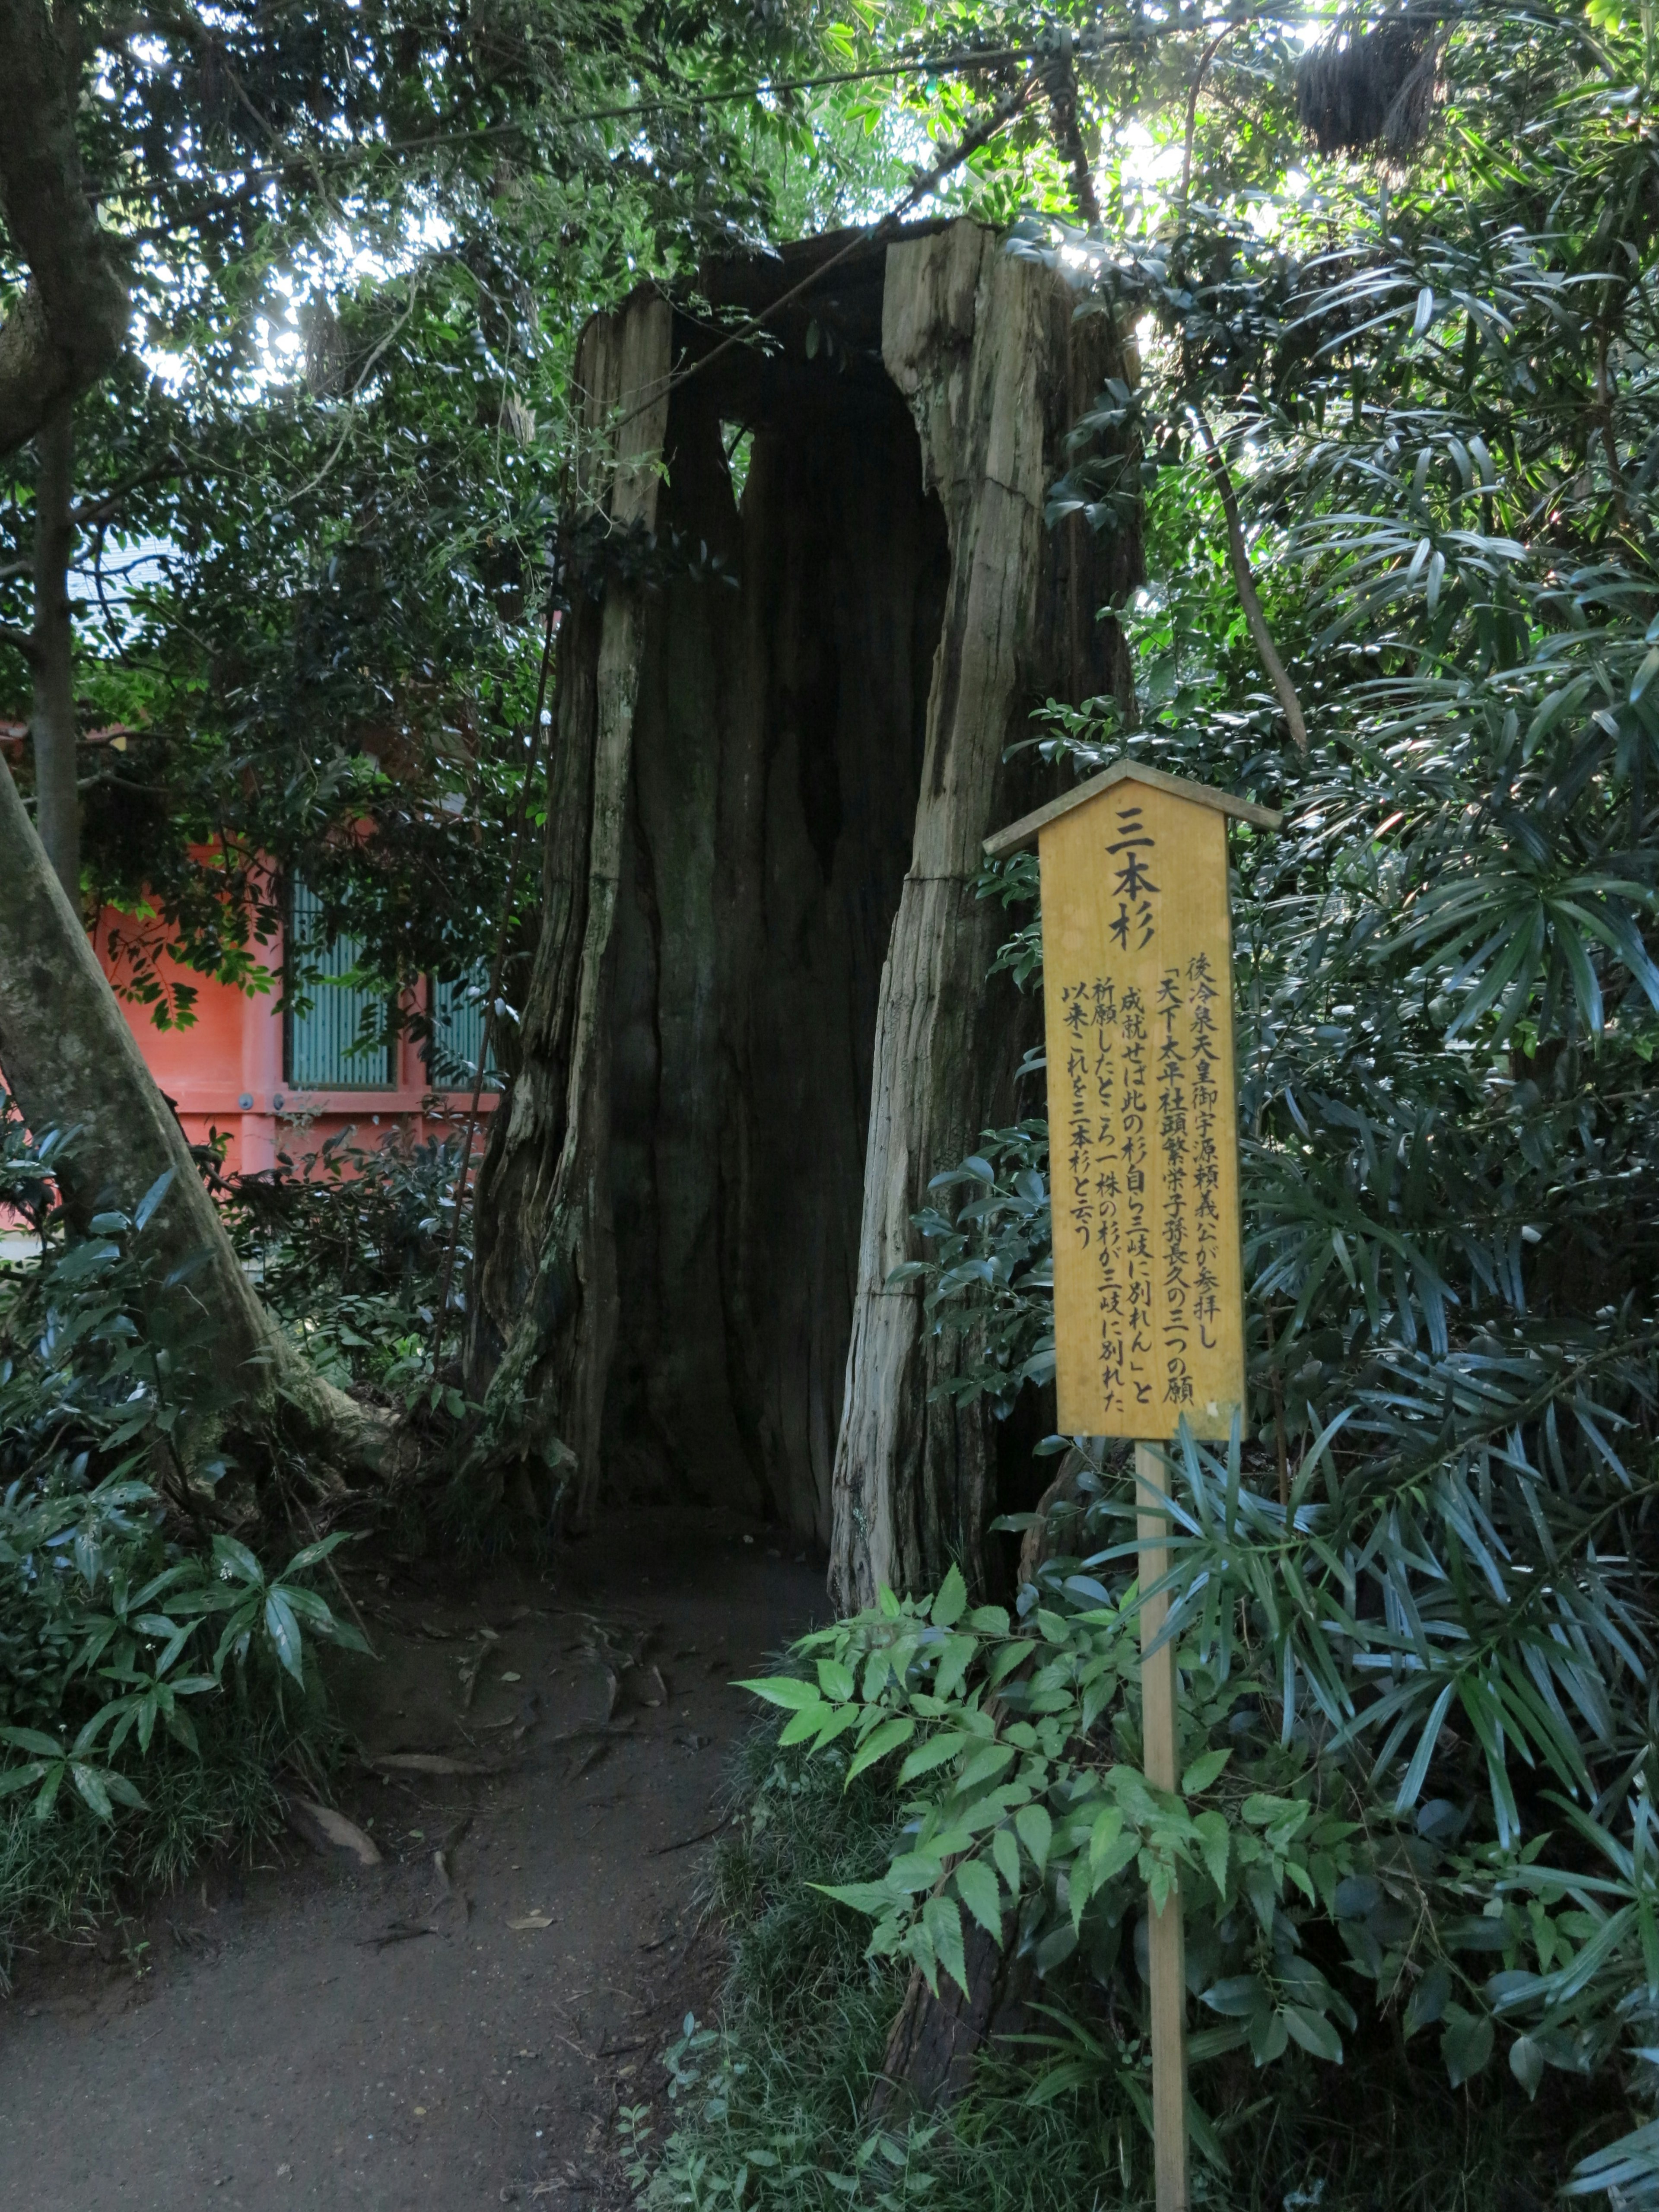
757,1017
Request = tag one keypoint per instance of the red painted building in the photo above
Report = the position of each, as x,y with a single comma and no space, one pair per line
272,1082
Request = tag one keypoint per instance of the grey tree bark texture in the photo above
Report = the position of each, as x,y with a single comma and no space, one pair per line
51,655
70,1061
747,843
70,325
997,368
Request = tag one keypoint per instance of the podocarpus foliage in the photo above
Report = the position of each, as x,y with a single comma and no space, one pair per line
1415,1610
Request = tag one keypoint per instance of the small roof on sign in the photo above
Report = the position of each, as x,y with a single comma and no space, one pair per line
1024,831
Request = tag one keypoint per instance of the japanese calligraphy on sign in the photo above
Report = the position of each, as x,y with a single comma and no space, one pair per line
1142,1143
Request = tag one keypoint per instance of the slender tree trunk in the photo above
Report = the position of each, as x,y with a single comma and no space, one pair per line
1238,559
51,724
69,327
997,369
71,1063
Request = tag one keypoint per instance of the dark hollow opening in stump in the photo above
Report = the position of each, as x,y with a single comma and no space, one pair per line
777,758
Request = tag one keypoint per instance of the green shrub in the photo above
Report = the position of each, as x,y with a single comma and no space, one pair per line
350,1246
154,1672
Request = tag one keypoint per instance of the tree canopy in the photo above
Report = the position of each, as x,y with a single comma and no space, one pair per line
1391,448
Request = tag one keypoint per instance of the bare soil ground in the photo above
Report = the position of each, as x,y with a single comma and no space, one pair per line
432,2033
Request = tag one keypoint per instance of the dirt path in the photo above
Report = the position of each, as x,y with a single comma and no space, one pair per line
324,2033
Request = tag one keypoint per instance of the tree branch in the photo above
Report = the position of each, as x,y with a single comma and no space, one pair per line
70,325
1198,76
1244,584
102,509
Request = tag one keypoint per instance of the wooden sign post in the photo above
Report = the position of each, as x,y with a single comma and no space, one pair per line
1149,1323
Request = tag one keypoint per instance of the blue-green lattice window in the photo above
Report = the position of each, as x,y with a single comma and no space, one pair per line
458,1030
343,1041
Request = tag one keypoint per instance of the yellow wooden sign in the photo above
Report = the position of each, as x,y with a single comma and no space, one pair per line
1137,963
1143,1144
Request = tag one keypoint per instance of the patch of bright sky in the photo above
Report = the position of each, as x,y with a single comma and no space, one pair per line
337,263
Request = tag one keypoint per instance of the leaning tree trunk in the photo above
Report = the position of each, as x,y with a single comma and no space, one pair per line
998,370
52,654
72,1064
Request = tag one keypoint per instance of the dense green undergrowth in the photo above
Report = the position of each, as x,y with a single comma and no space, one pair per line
161,1601
1414,1598
770,2106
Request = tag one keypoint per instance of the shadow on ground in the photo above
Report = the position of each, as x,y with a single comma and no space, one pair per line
454,2026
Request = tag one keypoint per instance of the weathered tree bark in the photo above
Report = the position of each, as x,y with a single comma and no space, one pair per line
544,1315
669,1218
997,370
70,325
784,658
71,1062
935,2039
51,655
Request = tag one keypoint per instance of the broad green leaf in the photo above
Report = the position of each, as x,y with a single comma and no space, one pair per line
942,1917
1427,2002
283,1630
866,1897
1214,1838
1005,1852
1036,1832
1465,2043
954,1662
1239,1996
913,1872
876,1745
1203,1773
1106,1828
235,1561
34,1741
1268,2036
1527,2064
785,1690
985,1765
90,1783
980,1892
937,1751
809,1721
151,1199
1314,2032
951,1602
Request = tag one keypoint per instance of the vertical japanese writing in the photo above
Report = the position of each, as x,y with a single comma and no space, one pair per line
1206,1157
1108,1192
1175,1196
1138,1021
1132,924
1074,1001
1135,1152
